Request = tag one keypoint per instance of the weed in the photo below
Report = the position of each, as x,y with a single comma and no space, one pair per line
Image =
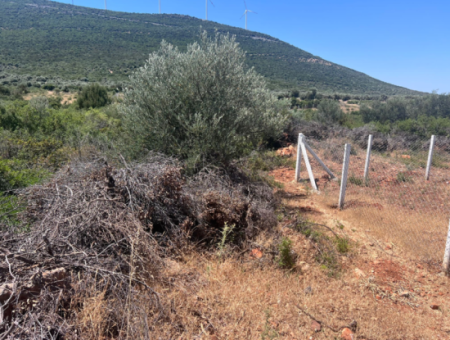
225,233
339,225
356,180
342,244
403,177
268,332
286,257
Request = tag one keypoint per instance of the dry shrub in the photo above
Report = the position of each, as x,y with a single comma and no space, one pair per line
95,241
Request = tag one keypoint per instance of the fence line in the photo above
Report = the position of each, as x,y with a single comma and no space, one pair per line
394,201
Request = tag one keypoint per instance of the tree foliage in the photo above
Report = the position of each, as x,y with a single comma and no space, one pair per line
203,105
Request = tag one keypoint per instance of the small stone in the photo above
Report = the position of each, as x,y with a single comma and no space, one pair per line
371,244
315,326
359,273
388,247
378,297
434,306
347,334
308,290
419,266
404,294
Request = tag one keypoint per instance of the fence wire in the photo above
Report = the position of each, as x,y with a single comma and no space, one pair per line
395,204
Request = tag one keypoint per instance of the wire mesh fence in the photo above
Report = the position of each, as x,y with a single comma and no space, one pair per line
392,200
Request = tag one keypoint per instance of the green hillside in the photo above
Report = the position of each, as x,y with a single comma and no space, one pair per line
47,41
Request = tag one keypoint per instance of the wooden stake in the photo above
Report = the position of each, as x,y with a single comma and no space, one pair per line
369,150
348,147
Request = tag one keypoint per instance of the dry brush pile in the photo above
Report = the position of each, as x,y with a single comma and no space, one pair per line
98,235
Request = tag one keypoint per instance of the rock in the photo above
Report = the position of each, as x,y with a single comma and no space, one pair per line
378,297
404,294
315,326
359,273
434,306
256,253
353,326
308,290
286,152
304,266
388,247
406,156
347,334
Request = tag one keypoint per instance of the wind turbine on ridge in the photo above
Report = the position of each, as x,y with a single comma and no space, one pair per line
245,13
159,6
105,6
207,8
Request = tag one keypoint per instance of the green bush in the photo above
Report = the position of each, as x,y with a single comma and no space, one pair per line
92,96
4,90
202,106
49,87
286,258
329,112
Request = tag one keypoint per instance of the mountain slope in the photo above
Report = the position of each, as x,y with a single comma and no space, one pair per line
49,39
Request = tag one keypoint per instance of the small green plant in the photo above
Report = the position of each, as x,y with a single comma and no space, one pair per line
268,332
356,180
403,177
342,244
227,230
339,225
286,257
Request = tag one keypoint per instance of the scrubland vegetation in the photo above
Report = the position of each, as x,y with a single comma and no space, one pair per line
106,192
66,46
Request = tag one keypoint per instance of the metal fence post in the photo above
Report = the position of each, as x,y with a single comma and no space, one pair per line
348,147
446,263
369,149
430,158
299,158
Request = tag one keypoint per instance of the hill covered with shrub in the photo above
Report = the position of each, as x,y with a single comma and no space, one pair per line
45,42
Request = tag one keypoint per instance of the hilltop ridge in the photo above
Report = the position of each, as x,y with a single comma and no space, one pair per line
39,38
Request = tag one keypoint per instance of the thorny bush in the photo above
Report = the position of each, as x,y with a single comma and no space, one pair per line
97,235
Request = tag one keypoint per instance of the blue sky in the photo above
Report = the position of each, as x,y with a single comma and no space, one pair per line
406,43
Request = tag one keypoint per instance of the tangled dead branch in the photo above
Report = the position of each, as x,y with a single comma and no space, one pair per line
96,235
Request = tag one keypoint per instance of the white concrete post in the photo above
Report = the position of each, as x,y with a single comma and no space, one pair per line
299,158
308,165
348,147
369,150
446,263
311,151
430,158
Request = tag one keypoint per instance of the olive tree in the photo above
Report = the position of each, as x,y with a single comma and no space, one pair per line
203,106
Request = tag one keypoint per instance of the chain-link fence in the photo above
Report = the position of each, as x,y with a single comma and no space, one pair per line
394,202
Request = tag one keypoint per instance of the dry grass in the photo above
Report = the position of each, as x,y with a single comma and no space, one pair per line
66,98
253,299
